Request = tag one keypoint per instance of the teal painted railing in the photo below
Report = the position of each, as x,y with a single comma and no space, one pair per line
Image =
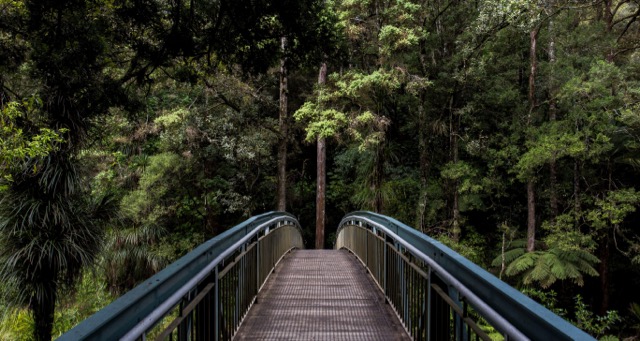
440,295
205,294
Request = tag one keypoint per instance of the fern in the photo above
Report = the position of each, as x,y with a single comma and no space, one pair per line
545,267
521,264
509,256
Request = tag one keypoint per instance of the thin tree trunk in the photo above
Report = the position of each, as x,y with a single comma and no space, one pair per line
531,201
531,217
423,145
454,125
43,310
424,166
609,16
378,178
576,188
321,174
553,110
283,125
604,254
456,230
533,59
604,275
503,263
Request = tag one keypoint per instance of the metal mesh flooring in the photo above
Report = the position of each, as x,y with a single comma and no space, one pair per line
320,295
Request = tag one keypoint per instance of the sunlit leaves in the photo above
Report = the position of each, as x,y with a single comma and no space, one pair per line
614,208
553,143
350,106
18,145
322,123
520,13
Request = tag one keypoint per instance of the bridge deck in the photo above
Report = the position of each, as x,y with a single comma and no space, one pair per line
320,295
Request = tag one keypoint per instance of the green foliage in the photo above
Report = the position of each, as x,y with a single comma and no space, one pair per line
634,309
545,267
172,110
147,204
552,145
612,209
88,297
349,106
594,324
464,173
18,145
322,123
472,246
130,257
548,298
564,234
584,319
17,325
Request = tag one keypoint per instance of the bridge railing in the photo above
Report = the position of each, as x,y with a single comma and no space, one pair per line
440,295
205,294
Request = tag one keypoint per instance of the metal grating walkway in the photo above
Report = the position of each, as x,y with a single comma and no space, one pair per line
320,295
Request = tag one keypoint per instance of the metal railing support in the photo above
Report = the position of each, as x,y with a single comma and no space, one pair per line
440,295
205,294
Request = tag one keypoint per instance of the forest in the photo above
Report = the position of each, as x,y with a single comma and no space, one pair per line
133,130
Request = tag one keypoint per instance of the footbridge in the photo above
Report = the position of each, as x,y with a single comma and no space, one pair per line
383,281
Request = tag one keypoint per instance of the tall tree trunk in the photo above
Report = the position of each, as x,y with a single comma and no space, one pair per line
423,145
284,127
553,111
321,174
378,178
603,270
531,216
424,166
531,201
533,60
455,227
608,17
608,14
576,188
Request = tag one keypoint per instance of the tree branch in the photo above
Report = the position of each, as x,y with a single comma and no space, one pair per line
626,28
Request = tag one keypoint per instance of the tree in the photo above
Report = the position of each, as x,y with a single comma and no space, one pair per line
50,228
321,173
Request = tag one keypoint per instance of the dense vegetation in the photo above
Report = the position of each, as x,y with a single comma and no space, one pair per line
133,130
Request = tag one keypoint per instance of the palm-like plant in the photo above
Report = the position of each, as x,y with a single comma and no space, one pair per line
129,257
545,267
49,232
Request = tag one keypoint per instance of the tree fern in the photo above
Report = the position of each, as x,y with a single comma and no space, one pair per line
545,267
130,258
509,256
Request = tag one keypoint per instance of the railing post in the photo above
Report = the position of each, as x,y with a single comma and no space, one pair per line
216,304
385,270
184,329
366,248
403,286
429,301
257,268
458,325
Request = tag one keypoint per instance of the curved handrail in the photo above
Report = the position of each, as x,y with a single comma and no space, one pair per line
510,311
129,316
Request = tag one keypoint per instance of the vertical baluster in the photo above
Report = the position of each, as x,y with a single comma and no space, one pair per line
216,305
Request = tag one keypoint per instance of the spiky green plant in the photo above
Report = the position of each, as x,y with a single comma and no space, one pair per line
49,231
130,258
545,267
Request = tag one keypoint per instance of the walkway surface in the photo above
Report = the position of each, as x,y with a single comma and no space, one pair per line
320,295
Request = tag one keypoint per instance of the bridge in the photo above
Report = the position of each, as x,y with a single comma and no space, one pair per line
383,281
